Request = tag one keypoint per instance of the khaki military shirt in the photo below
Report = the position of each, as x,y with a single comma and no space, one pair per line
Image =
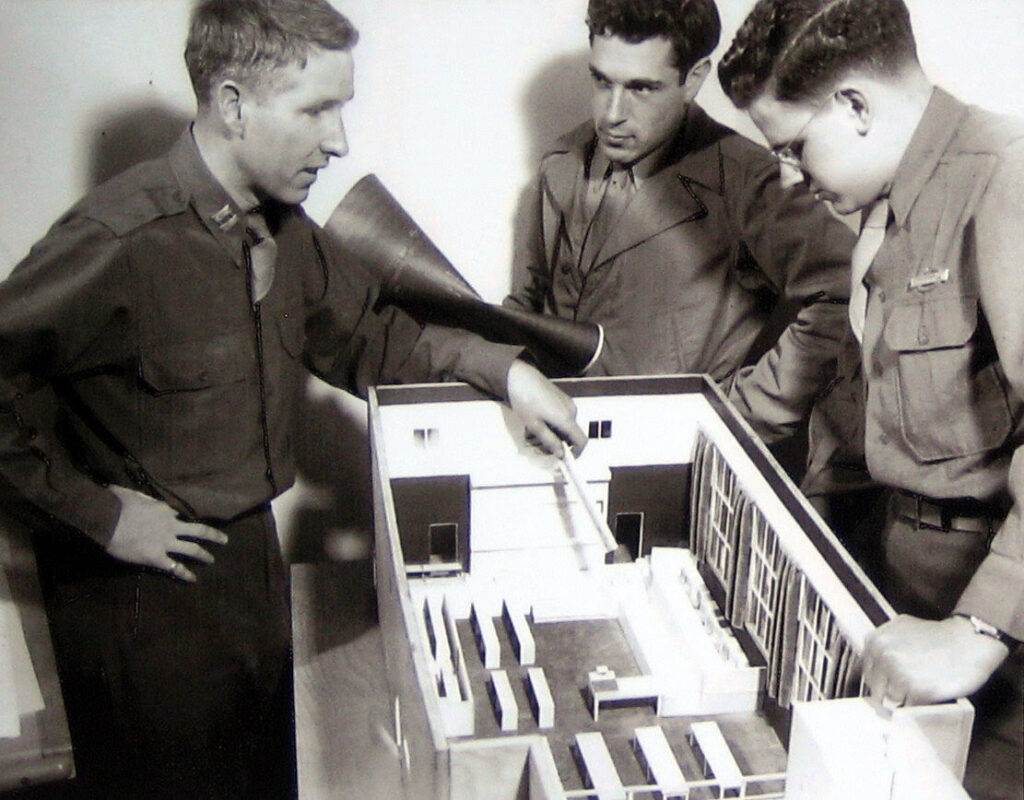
943,348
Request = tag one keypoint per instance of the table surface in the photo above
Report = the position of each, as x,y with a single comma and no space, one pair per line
342,713
42,753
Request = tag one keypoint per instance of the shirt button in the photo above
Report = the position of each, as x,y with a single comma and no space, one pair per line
883,439
922,336
881,296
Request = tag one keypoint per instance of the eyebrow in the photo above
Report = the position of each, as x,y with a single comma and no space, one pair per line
634,83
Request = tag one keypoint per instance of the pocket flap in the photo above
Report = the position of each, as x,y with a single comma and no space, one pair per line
939,323
197,364
293,334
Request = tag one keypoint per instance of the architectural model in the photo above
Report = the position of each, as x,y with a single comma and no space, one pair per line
664,617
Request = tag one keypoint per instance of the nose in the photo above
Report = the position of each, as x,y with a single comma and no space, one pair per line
335,142
790,176
615,106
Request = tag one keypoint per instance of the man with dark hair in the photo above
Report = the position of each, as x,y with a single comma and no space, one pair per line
671,231
935,321
171,317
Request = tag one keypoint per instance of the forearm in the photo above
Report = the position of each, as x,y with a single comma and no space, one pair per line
777,393
996,591
443,354
42,483
51,309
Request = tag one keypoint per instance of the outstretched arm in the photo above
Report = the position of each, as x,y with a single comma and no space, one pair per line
804,252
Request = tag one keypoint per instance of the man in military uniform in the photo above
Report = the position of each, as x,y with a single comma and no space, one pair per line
936,327
173,315
672,233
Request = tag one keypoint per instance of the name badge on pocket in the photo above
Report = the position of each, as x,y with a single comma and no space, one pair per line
929,279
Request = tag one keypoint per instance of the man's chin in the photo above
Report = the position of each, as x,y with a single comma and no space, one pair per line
844,207
292,196
618,154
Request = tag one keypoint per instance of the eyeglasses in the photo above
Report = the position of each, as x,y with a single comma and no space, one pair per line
785,153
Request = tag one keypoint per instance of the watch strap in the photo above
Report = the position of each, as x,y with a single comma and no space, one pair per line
987,629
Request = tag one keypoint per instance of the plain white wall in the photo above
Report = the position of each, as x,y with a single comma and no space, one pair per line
454,100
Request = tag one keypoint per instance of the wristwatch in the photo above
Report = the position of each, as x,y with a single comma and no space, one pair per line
986,629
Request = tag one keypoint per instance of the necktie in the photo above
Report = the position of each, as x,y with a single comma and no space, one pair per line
872,234
263,253
617,190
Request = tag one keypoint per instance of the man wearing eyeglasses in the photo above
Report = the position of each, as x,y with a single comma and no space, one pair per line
672,232
935,326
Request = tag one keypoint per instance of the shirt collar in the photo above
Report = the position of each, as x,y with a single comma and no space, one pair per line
212,203
691,152
934,132
638,171
601,168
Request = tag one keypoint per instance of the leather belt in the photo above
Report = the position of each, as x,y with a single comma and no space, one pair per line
965,515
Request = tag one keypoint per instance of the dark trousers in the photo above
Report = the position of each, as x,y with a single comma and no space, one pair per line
922,571
176,690
925,572
925,569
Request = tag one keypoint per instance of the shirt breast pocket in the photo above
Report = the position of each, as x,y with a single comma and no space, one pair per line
169,367
190,392
292,333
952,397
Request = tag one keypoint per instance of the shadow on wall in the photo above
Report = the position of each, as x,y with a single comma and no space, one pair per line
333,514
130,135
555,100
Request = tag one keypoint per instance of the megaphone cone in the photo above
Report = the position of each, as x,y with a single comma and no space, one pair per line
371,227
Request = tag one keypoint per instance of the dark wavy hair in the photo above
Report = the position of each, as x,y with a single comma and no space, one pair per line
798,49
245,40
693,26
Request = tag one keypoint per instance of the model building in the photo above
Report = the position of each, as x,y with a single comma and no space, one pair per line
651,620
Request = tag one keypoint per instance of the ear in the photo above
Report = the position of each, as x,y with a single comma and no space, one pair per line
229,107
857,107
696,76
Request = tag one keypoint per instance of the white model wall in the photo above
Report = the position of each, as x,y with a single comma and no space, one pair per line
455,99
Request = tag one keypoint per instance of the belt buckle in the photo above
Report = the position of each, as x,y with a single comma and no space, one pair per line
920,523
945,516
